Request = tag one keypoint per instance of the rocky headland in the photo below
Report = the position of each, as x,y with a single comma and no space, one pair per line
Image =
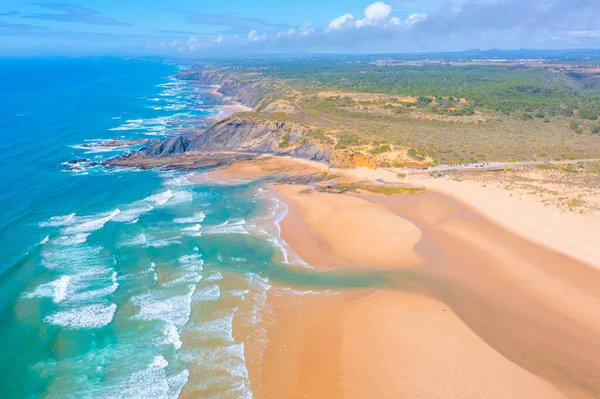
238,136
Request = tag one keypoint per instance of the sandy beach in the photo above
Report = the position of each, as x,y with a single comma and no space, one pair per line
464,307
228,110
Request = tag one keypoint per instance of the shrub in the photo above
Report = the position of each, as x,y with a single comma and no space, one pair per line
381,149
285,141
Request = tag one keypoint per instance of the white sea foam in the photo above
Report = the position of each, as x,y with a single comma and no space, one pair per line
59,221
162,243
95,294
150,242
181,197
235,226
57,290
88,224
192,262
192,231
132,214
229,359
196,218
178,181
218,328
187,278
171,336
175,309
209,293
140,239
160,198
72,240
149,383
89,316
176,383
214,277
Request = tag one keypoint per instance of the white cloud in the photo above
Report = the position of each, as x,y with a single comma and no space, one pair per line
413,19
253,36
339,22
375,14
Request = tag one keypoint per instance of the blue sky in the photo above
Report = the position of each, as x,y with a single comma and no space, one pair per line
229,27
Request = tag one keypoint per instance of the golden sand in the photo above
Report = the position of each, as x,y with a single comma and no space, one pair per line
469,310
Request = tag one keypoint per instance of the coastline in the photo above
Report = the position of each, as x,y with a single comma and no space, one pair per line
525,215
346,342
225,110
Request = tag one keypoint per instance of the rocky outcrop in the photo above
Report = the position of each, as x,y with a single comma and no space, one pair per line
114,143
188,161
248,134
206,75
246,92
168,147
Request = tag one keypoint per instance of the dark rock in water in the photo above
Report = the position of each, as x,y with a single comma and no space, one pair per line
76,161
120,143
188,160
168,147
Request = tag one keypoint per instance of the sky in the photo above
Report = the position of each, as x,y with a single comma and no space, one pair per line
197,28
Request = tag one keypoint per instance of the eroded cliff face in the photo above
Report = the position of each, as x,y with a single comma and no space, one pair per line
254,133
248,93
249,135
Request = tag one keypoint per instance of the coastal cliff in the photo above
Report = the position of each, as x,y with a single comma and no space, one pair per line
244,134
247,134
245,91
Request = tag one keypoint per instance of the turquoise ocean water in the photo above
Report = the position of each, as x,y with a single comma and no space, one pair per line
120,283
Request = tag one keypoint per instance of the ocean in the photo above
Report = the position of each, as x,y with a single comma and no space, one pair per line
121,283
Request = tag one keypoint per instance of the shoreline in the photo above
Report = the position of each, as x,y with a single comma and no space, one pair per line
225,110
477,298
427,302
571,234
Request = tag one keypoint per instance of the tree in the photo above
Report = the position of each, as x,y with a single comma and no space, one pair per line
575,125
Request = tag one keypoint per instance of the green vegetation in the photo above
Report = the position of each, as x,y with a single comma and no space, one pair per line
285,141
450,113
391,190
347,140
381,149
320,136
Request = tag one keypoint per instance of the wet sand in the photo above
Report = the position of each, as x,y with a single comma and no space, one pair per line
480,312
